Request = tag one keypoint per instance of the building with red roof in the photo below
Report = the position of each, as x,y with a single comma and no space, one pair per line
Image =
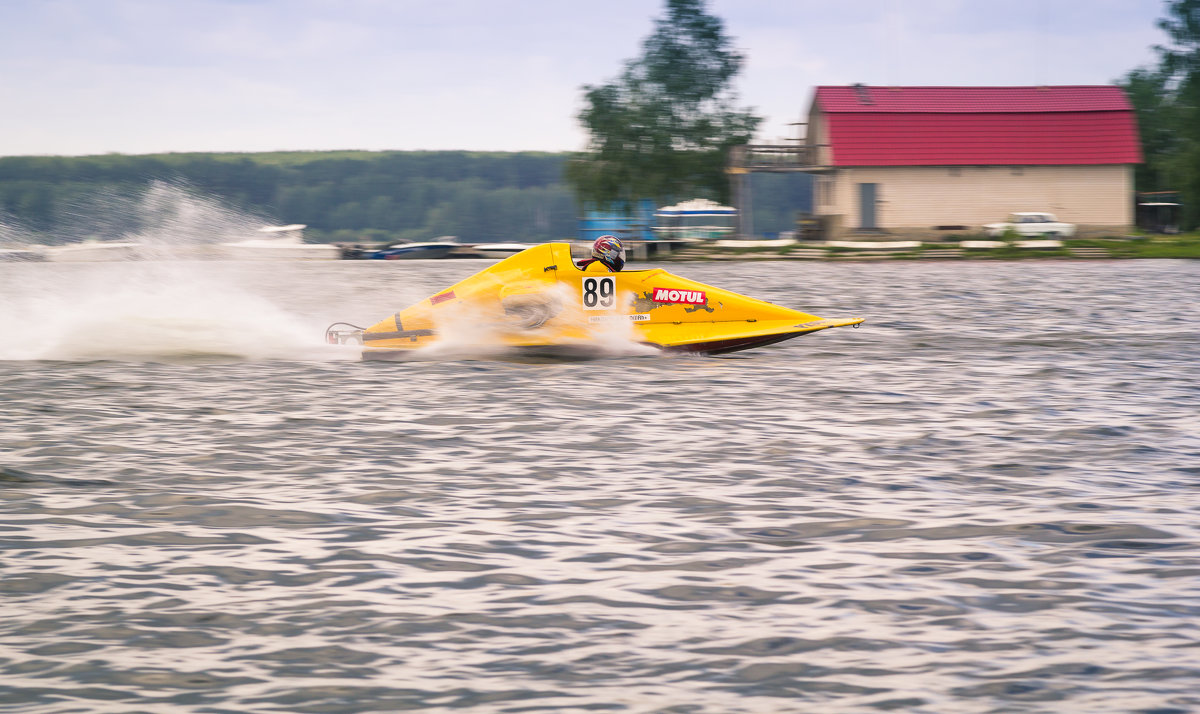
917,160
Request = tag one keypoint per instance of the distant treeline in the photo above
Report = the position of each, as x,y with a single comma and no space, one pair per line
341,196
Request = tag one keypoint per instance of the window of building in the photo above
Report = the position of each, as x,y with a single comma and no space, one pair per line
824,191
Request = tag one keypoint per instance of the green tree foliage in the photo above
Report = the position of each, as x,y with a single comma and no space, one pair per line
1181,66
1167,101
343,196
663,128
350,196
1146,91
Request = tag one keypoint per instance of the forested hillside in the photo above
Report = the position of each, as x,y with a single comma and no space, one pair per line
348,196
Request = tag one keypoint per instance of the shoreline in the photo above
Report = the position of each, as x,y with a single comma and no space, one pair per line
1174,247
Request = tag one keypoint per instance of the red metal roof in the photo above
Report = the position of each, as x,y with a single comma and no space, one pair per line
979,126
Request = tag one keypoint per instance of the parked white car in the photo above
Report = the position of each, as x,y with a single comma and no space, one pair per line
1031,224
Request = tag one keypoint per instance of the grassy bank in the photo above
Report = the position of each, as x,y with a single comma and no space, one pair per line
1180,246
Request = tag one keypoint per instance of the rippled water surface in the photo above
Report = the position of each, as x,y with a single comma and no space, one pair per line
986,500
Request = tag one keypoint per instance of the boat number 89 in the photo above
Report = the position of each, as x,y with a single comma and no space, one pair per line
599,293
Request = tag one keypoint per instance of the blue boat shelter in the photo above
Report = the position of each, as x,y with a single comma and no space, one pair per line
634,222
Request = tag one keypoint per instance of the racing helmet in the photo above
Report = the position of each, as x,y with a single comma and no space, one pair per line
609,251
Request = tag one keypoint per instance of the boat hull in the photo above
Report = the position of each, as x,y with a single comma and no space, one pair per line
94,252
414,251
497,251
265,250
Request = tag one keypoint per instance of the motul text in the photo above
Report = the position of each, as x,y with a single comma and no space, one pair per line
688,297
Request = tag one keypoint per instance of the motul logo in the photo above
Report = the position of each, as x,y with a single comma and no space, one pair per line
688,297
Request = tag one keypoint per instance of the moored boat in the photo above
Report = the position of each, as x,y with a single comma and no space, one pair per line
92,251
498,251
279,243
429,250
22,254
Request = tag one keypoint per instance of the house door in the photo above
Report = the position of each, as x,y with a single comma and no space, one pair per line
866,205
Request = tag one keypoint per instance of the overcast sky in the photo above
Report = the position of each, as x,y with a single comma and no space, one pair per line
144,76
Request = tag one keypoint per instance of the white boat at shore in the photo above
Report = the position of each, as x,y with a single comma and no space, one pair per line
740,243
416,251
874,244
94,251
25,254
279,243
498,251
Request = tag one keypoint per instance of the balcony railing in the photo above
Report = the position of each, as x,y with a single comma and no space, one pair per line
773,157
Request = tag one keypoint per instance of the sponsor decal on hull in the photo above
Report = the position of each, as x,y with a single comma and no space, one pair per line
685,297
443,297
618,318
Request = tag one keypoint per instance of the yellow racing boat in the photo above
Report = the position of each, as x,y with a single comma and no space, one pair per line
539,301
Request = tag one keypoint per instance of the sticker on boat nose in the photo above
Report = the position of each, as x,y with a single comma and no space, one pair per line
686,297
599,292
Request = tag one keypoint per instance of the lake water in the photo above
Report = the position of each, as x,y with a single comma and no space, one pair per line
986,500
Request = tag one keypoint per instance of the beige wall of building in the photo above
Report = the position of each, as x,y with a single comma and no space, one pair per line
817,137
918,198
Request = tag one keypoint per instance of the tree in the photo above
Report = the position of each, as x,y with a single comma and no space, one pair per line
663,128
1146,90
1167,102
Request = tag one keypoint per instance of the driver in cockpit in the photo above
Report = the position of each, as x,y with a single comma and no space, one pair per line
608,252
